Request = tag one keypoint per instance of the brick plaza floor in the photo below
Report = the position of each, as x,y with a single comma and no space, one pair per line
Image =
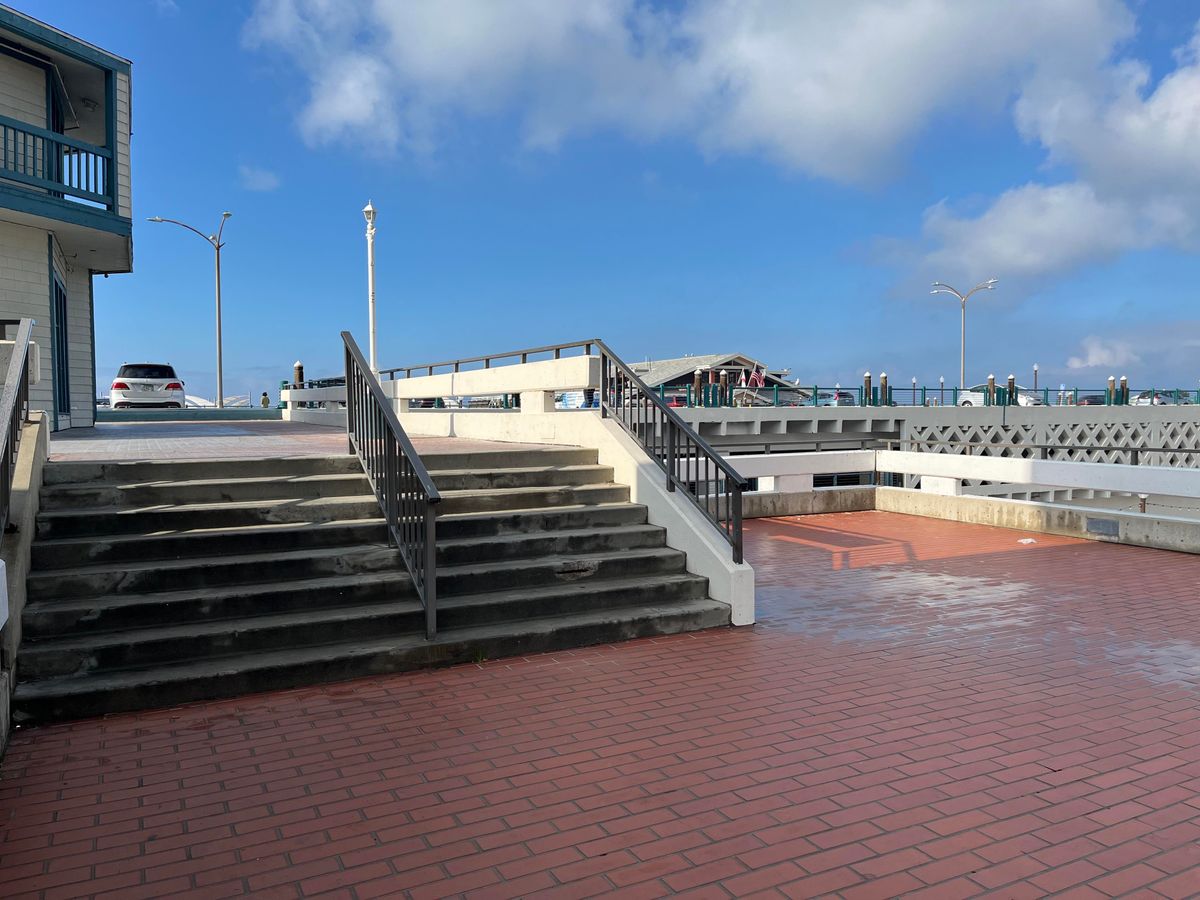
926,709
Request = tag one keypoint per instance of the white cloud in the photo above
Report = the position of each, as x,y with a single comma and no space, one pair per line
256,179
1135,153
831,89
1110,352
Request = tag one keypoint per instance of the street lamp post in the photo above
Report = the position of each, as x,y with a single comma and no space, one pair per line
215,241
1035,375
940,288
369,215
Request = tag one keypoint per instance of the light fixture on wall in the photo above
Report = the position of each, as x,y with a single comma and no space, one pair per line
89,104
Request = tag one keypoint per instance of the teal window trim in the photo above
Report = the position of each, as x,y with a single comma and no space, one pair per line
92,338
51,278
62,210
110,136
42,34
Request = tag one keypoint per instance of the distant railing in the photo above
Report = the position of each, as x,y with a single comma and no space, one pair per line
707,479
515,357
402,485
14,410
55,163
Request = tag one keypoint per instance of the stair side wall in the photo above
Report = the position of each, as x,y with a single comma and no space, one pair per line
15,553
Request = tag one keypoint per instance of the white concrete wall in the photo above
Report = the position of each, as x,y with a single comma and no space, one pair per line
1103,476
554,375
25,293
124,130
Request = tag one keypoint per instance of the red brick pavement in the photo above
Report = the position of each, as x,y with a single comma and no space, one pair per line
926,709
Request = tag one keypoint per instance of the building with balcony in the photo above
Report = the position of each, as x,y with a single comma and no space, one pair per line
65,210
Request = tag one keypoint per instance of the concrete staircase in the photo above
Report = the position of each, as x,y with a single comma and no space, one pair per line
157,583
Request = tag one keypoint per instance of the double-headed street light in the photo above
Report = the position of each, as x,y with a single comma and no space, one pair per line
215,241
940,288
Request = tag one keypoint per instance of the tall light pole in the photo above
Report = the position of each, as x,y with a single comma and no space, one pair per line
369,215
940,288
215,241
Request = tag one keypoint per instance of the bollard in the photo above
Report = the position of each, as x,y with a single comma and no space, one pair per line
1011,399
1110,395
723,394
297,373
866,397
1125,391
989,399
696,388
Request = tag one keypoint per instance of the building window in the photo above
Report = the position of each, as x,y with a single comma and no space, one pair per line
62,372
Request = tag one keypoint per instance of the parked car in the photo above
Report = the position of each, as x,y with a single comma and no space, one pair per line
1091,400
1160,398
146,385
836,398
976,396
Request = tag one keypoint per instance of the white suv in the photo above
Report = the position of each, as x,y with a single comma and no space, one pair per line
146,385
976,396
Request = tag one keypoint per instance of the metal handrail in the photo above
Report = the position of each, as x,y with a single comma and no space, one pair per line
14,410
402,485
670,441
487,361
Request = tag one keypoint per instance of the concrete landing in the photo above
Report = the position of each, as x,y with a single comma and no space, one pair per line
224,440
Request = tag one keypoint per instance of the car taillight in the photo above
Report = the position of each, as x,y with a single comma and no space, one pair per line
174,386
120,386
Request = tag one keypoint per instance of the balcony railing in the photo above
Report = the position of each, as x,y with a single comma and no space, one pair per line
55,163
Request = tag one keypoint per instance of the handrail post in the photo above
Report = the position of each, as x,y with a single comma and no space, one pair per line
390,487
429,573
736,516
672,462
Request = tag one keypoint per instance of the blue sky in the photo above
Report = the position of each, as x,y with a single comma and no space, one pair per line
779,179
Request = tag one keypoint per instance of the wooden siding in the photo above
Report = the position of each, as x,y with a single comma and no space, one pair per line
22,91
124,181
25,293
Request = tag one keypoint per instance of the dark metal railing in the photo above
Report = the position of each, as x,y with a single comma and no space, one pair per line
689,463
55,163
514,357
14,409
402,485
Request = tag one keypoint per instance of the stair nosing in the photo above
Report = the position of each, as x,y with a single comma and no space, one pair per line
77,684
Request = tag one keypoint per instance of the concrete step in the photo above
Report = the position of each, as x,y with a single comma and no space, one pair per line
527,477
73,552
189,517
228,490
128,612
468,551
517,605
515,458
138,471
531,497
498,575
98,693
454,526
182,642
219,571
